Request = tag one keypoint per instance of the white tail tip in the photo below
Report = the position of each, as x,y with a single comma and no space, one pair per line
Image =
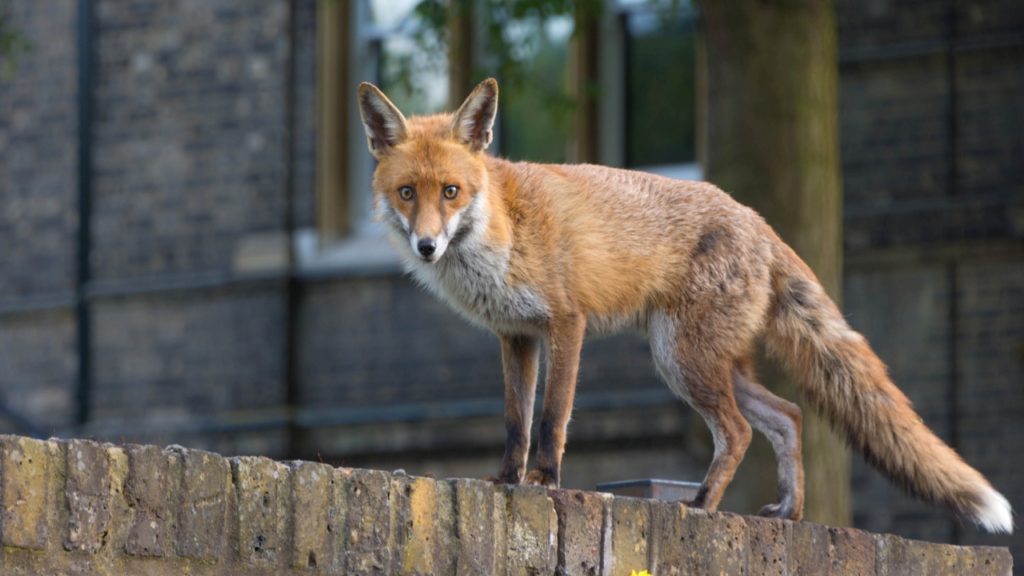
994,513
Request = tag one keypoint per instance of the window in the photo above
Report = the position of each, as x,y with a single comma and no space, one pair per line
535,111
660,71
658,101
410,63
374,40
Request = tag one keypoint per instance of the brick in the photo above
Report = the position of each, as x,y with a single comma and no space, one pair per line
853,551
121,510
581,517
367,523
897,556
728,546
312,491
688,541
88,493
532,531
24,465
631,529
262,492
475,526
401,535
424,522
957,560
808,549
674,548
203,513
501,528
991,561
767,542
151,489
445,531
337,511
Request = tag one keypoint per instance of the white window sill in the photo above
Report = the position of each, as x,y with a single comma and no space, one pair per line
689,171
366,253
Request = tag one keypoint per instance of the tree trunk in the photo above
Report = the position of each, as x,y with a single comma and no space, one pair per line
770,71
461,70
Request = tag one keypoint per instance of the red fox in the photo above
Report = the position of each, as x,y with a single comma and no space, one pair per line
548,253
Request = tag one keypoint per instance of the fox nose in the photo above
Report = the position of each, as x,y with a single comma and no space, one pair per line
426,246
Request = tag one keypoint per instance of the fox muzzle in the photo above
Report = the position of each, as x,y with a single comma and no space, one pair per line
426,247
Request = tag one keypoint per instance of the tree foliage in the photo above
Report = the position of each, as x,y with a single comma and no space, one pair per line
12,44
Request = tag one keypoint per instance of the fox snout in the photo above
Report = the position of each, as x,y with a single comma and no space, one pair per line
429,248
431,232
426,247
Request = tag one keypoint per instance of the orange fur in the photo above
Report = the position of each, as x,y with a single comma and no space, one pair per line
547,253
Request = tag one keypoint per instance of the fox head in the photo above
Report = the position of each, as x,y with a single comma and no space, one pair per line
430,179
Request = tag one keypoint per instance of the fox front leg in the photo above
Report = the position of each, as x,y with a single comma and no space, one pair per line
519,359
565,340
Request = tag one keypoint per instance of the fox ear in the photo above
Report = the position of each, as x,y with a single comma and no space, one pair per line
384,124
475,118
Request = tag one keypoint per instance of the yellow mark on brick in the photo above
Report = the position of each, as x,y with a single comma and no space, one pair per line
24,492
418,558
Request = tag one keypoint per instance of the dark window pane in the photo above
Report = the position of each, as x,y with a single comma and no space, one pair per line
536,115
660,91
412,66
414,73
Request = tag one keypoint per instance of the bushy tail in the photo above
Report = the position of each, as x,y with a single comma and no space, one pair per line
846,381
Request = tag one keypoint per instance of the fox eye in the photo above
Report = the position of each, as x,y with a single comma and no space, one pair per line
405,192
450,192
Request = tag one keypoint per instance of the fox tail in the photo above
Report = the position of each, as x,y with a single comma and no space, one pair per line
846,381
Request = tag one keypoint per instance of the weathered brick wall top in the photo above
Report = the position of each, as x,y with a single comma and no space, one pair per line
80,507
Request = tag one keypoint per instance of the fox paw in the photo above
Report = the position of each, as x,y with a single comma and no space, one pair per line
778,510
502,479
538,477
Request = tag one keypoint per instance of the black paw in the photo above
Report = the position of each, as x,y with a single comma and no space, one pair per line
538,477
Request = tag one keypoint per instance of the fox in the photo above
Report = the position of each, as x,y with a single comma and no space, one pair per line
546,254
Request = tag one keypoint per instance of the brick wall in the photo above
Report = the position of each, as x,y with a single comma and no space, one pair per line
190,145
38,215
393,333
38,128
78,507
39,367
228,343
933,213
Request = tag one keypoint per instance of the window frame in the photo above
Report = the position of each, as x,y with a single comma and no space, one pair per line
345,238
612,78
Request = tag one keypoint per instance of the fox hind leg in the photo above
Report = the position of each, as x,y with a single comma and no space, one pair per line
780,422
706,384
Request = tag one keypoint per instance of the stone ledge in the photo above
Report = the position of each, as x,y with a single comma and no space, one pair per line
81,507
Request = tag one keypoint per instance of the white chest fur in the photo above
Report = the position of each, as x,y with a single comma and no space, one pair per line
473,279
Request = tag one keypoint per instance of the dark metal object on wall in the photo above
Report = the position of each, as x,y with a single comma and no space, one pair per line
652,488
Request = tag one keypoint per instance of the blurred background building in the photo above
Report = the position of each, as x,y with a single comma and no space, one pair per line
186,253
